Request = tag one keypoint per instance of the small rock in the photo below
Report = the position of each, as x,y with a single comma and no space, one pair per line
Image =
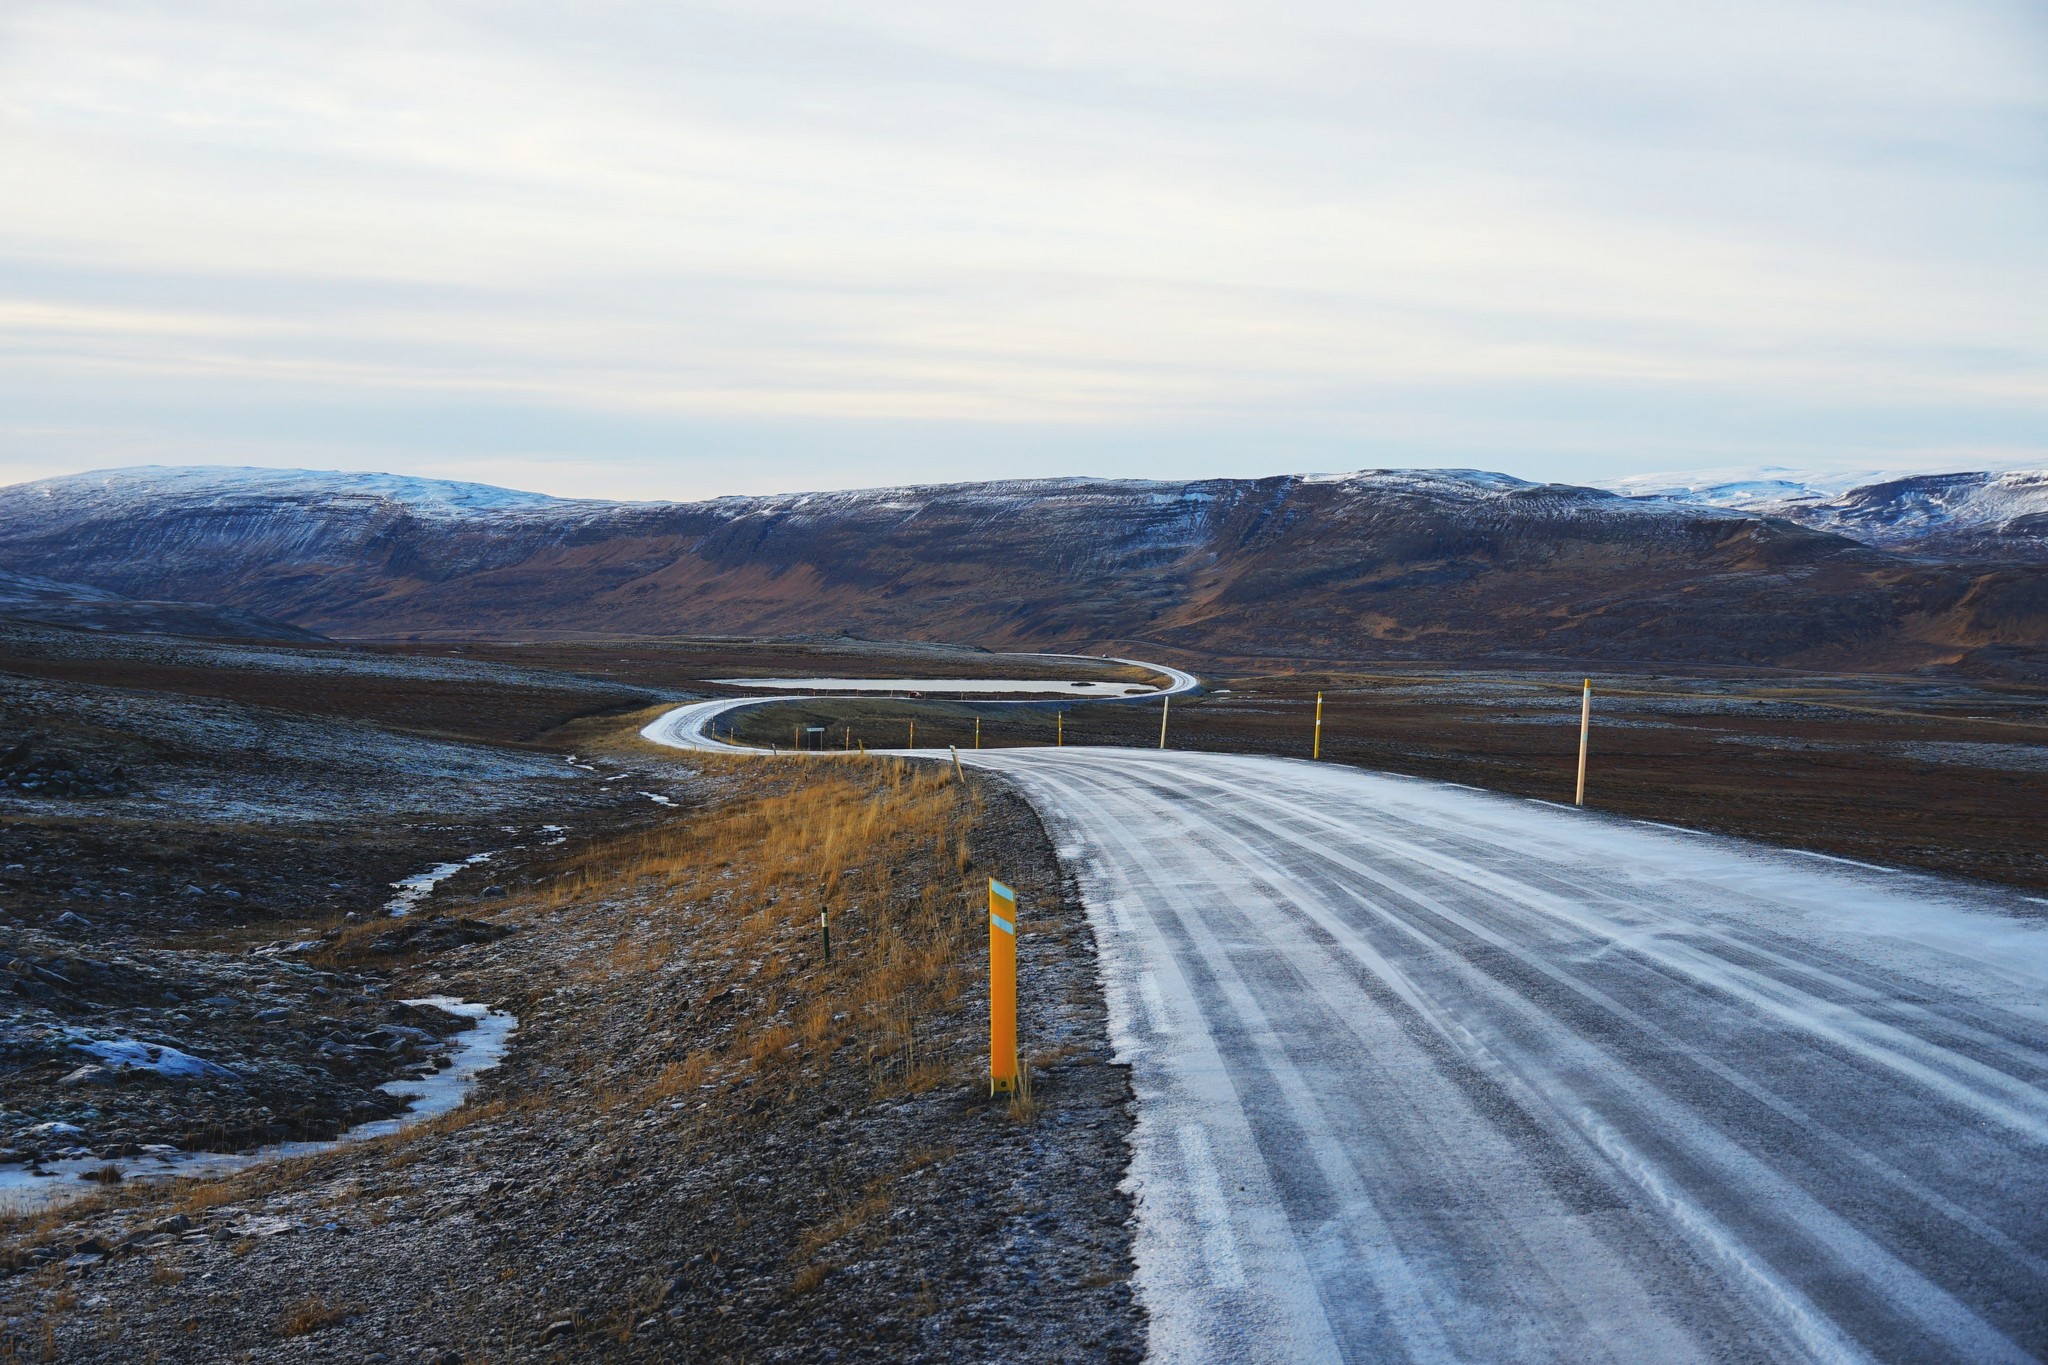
89,1075
71,919
55,1129
264,1226
561,1327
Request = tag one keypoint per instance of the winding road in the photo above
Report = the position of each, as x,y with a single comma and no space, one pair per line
1430,1074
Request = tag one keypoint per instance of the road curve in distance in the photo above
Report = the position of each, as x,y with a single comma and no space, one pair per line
1430,1074
689,726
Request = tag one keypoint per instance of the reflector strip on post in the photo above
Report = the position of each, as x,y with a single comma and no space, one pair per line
1002,988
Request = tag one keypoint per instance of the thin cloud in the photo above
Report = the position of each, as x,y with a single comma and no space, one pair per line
1241,233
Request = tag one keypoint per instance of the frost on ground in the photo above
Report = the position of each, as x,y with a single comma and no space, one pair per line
704,1144
168,915
207,759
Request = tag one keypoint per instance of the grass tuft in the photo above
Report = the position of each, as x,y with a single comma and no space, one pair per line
310,1315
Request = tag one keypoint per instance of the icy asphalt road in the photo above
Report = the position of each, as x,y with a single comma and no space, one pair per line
1430,1074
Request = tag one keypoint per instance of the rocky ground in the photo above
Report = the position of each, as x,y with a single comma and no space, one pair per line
156,843
195,1051
704,1143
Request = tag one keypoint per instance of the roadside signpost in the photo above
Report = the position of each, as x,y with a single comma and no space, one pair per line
1585,731
1165,705
1002,988
1317,751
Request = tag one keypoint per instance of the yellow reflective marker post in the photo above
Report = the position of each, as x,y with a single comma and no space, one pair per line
1318,750
1059,729
913,736
977,732
1585,732
1002,988
1165,705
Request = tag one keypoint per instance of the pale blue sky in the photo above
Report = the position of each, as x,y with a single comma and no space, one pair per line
681,249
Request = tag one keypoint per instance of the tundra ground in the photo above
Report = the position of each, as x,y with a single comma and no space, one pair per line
705,1143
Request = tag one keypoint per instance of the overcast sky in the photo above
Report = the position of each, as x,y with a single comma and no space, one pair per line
679,249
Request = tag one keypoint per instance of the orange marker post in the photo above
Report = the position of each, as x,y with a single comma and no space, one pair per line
1317,752
1002,988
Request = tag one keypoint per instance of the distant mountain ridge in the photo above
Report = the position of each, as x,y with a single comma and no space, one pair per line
1380,563
1978,514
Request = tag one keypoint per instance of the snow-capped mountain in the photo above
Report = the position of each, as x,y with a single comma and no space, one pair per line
109,490
1443,563
1977,514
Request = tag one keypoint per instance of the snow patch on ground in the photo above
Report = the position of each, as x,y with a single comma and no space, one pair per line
131,1054
476,1051
416,888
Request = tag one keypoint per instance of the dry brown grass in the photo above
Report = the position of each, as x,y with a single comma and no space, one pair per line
1023,1108
811,1276
881,848
310,1315
864,1216
849,1220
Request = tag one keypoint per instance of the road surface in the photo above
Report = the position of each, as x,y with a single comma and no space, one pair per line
1430,1074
